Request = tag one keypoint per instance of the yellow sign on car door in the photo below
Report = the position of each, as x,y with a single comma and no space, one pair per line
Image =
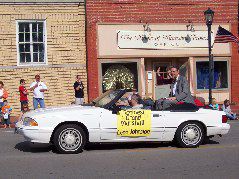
134,123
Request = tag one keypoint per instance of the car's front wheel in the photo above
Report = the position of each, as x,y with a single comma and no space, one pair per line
190,134
69,139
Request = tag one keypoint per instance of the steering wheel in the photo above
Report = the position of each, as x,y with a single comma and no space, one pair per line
114,108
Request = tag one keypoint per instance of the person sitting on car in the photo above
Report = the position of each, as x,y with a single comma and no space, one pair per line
214,105
135,102
180,91
227,109
133,91
123,101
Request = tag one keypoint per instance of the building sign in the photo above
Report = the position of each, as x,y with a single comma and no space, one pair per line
162,39
134,123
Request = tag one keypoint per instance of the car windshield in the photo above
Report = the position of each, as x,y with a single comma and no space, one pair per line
105,98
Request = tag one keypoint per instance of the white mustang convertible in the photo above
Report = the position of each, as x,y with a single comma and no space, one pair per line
70,128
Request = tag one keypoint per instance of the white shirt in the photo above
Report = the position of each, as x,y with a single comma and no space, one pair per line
1,93
130,95
175,85
139,106
227,109
36,92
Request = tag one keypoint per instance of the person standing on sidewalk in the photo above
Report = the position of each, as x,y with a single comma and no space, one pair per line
23,93
3,96
79,91
3,93
19,122
38,88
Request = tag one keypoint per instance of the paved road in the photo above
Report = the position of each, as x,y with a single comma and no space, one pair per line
218,159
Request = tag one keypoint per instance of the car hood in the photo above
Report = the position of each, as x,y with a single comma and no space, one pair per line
63,109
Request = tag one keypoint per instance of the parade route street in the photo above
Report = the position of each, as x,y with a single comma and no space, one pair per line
217,159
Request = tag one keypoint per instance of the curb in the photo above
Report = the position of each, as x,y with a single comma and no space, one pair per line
2,126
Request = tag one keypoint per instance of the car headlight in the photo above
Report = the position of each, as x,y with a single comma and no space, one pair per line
29,122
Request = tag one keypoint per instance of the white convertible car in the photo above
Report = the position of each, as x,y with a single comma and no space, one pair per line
70,128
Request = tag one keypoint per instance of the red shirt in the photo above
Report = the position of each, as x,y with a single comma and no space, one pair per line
198,103
23,97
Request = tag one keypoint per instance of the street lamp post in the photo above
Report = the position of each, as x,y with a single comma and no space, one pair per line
209,19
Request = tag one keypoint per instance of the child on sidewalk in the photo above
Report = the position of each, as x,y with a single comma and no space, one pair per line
6,111
214,104
23,93
19,123
25,109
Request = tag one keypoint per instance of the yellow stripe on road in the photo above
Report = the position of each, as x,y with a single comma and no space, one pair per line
179,149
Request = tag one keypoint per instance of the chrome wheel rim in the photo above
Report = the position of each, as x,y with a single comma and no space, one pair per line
70,139
191,134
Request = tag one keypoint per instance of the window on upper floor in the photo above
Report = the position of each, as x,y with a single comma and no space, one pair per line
31,42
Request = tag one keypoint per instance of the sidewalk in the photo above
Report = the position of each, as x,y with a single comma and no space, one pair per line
12,120
235,108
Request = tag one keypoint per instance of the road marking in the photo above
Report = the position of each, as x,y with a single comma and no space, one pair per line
222,146
178,149
233,122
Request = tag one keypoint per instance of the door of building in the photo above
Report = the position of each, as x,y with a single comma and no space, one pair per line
162,81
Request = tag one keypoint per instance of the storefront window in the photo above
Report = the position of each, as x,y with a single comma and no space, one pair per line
220,75
119,76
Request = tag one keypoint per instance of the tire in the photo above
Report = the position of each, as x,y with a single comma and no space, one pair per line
69,139
190,135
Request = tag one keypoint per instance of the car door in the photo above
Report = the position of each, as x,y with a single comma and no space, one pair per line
157,125
108,127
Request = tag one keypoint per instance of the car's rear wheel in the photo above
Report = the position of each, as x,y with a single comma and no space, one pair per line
69,139
190,134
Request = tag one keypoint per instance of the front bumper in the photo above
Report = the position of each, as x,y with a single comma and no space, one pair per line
34,135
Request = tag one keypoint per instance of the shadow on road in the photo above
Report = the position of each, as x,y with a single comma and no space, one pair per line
210,141
40,148
33,148
136,145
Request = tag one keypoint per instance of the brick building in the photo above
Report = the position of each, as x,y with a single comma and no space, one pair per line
128,40
45,37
